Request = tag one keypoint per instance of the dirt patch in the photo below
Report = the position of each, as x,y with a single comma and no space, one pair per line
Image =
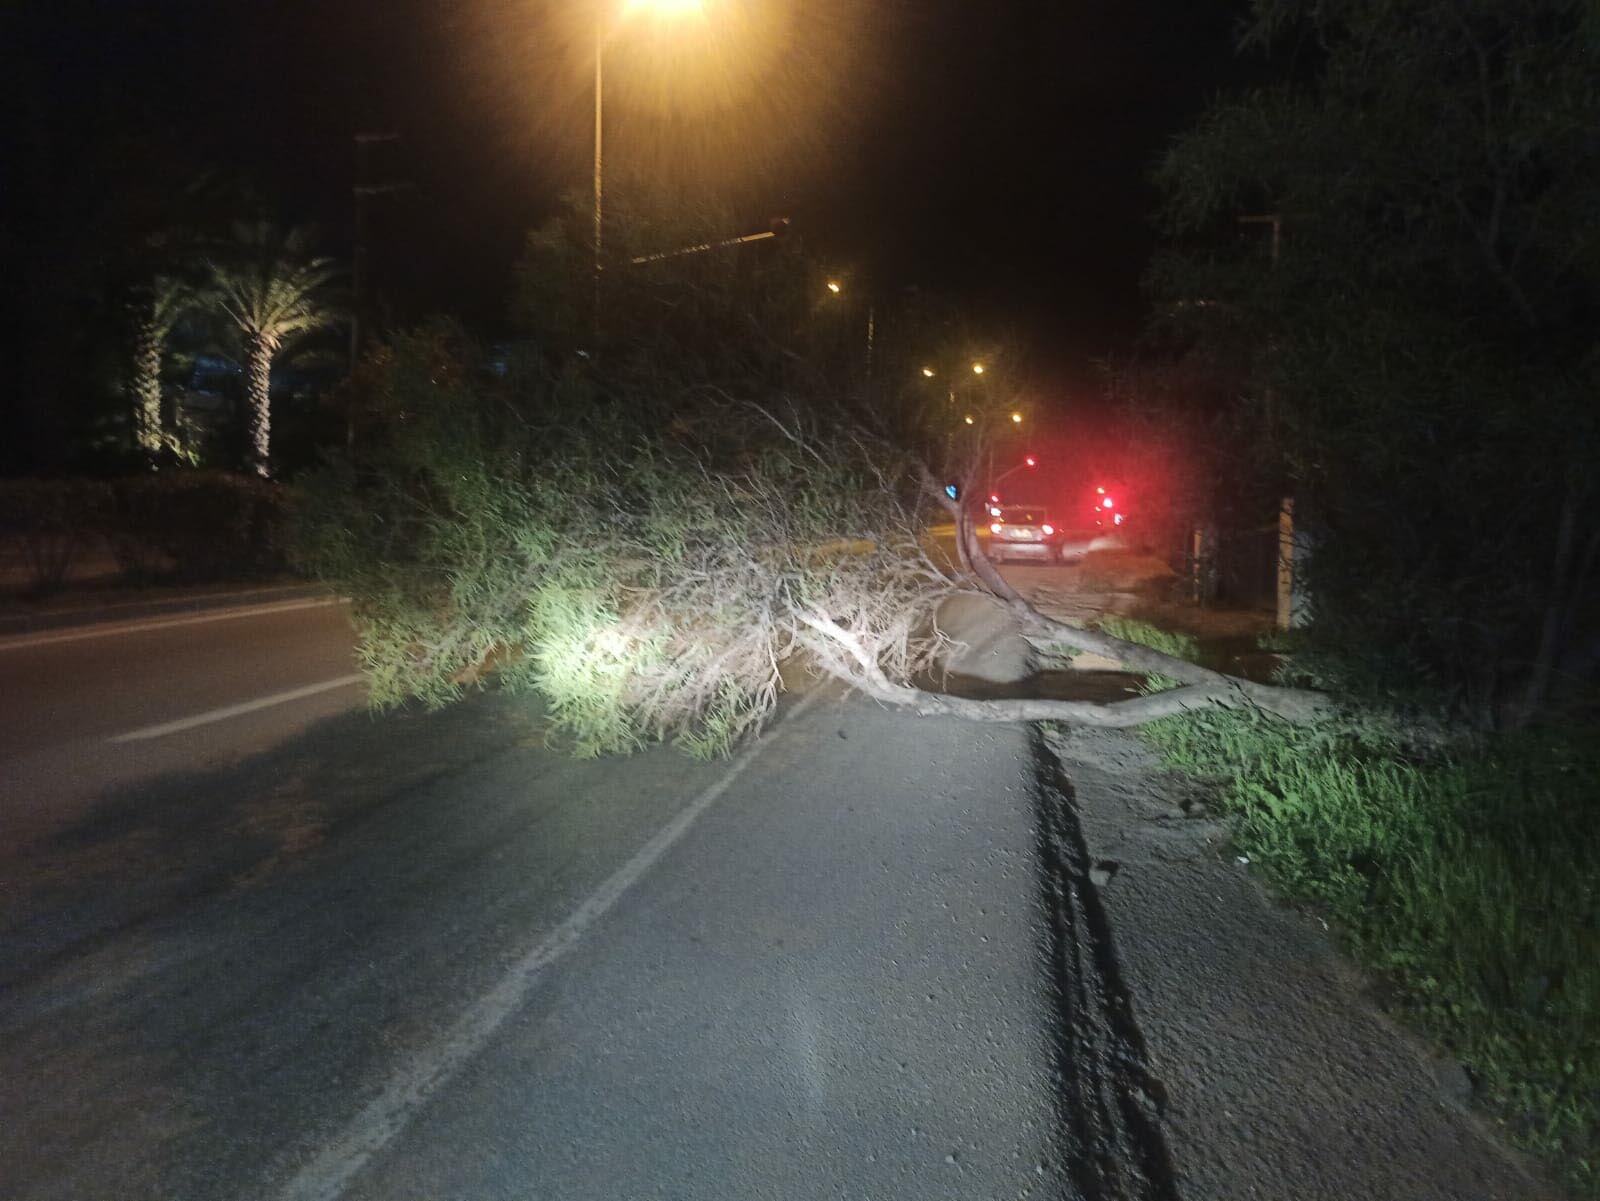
1123,571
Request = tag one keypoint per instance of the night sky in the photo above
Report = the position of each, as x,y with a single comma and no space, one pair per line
998,150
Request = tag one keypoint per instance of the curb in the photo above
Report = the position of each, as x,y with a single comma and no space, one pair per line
30,623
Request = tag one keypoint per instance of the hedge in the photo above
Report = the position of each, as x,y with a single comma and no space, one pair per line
181,526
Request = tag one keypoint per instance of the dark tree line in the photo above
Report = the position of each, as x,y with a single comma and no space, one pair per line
1385,271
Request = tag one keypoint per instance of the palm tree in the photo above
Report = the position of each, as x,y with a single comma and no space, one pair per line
157,307
275,291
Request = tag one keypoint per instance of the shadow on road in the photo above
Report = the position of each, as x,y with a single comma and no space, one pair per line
145,848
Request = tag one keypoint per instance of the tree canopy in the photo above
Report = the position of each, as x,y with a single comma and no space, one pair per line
1400,243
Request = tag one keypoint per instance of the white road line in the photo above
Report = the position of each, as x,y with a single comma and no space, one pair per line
326,1177
112,629
264,702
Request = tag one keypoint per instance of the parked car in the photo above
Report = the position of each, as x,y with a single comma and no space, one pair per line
1023,533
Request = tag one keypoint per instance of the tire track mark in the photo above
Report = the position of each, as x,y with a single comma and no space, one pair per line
1109,1103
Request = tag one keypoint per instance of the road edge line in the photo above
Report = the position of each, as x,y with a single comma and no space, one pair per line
112,629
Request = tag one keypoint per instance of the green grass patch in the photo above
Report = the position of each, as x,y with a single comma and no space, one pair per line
1131,629
1467,881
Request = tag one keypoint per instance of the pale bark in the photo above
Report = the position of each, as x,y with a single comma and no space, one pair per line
844,655
850,655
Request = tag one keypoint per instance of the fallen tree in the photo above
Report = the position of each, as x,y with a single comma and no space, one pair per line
649,578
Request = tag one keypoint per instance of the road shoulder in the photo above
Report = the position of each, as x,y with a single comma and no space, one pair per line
1281,1077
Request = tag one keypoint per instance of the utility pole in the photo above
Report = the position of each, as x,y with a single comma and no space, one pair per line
599,96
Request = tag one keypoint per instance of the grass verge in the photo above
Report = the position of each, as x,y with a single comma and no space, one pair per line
1467,881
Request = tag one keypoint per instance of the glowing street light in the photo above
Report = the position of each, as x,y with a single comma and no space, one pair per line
927,373
833,286
665,8
977,369
968,419
1017,417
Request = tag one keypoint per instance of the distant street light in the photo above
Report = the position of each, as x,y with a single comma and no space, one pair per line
977,369
969,419
1017,417
927,372
833,286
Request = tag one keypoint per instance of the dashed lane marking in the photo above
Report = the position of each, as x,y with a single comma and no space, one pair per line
211,715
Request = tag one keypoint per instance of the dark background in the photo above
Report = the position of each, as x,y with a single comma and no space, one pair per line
997,150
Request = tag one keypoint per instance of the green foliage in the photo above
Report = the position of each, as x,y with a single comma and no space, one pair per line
1467,880
1168,642
639,567
1419,360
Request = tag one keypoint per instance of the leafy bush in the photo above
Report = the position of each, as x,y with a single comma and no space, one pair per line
1467,880
54,521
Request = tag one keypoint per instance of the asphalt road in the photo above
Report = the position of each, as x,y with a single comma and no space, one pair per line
90,708
427,955
257,943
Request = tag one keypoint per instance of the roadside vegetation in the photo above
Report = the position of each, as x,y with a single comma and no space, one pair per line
1461,874
1376,297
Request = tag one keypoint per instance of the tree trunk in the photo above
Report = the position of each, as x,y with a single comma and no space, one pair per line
843,656
258,381
149,341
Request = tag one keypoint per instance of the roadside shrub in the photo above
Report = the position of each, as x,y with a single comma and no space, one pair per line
199,526
52,522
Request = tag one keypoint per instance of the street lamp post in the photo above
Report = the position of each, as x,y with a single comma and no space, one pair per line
599,95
